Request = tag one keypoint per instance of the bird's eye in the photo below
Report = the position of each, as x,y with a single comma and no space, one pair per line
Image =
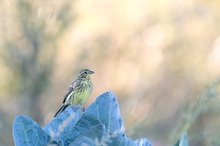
86,72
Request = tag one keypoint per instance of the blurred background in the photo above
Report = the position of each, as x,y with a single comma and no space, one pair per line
161,59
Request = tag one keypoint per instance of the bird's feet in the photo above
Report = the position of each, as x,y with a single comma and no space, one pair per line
83,108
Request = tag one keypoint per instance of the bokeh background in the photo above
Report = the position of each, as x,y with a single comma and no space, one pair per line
161,58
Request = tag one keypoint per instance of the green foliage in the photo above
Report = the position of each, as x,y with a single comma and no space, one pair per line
29,50
200,106
31,56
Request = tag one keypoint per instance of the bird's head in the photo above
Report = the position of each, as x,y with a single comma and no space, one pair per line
85,74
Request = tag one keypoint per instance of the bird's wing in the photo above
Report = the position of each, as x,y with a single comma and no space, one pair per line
70,89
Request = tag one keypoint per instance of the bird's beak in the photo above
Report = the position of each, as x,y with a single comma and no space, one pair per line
91,72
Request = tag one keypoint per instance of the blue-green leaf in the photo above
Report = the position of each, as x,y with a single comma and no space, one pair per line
26,132
184,139
106,110
85,127
142,142
61,126
100,124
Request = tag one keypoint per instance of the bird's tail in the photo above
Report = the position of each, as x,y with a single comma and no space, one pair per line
62,108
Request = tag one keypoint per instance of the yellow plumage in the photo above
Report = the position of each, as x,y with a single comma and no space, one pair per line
79,91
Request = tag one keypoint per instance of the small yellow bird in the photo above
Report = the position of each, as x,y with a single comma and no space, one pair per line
79,91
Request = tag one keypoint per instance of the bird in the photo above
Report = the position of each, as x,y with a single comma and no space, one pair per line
79,91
